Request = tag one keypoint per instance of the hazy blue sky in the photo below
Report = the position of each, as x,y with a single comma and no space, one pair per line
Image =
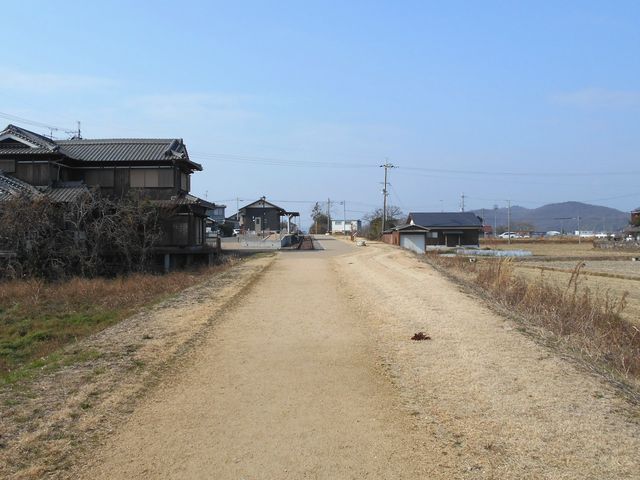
456,94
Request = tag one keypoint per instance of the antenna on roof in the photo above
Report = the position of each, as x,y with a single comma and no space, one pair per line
77,134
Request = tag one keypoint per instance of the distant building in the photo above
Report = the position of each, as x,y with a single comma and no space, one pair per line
263,216
632,232
346,226
441,229
217,213
449,229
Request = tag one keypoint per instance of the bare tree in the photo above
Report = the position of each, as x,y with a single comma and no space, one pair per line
373,227
91,236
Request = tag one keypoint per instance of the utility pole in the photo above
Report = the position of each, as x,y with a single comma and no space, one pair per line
509,220
462,202
329,215
344,214
495,220
386,167
579,232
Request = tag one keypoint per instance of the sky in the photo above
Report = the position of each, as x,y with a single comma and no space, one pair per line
529,101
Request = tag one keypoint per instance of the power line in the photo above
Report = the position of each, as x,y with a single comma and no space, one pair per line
395,194
26,121
252,159
272,161
255,160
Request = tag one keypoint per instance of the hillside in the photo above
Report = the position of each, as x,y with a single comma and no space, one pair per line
549,217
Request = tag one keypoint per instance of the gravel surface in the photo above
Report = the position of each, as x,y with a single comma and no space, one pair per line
304,367
314,375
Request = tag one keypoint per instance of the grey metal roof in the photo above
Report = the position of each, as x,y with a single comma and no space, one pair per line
445,219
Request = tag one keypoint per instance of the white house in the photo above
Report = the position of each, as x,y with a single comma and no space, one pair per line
348,226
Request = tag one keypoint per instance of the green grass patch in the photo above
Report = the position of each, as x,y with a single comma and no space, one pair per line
29,341
38,319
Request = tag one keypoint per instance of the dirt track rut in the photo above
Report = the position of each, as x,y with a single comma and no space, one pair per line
312,375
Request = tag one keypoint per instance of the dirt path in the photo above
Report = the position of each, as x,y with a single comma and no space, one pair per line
313,375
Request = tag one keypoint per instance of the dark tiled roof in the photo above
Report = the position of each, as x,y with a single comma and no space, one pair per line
106,150
185,199
11,187
263,204
65,194
22,151
31,137
407,227
445,219
111,150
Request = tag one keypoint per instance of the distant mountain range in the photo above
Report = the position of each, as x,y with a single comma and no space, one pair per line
559,216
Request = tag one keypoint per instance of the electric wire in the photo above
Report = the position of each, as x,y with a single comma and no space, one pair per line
34,123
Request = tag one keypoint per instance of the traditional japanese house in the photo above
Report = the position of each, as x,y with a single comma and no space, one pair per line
157,169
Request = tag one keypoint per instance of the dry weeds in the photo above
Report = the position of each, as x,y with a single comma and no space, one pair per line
567,248
588,321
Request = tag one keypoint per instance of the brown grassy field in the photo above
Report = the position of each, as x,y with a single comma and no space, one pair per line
615,287
554,248
38,318
599,272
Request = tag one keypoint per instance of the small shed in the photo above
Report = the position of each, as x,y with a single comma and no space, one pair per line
410,237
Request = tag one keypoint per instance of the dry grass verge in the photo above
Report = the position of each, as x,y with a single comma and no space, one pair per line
588,322
37,318
53,418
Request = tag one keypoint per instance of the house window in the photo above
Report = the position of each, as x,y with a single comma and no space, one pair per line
151,178
432,234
